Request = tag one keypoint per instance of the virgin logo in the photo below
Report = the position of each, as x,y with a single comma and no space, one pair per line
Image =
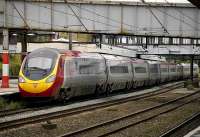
35,85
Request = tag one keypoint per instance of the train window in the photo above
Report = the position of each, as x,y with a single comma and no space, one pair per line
164,69
186,69
119,69
176,40
154,68
39,64
140,70
87,69
172,69
179,70
93,68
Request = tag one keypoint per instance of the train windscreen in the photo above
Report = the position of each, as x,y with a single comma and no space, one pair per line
39,65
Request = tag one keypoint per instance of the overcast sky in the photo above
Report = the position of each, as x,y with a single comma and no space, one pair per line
170,1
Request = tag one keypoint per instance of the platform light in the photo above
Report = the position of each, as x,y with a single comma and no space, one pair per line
14,34
31,34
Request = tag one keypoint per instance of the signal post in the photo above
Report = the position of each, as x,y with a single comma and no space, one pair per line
5,60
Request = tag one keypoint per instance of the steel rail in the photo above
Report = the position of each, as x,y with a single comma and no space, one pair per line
8,112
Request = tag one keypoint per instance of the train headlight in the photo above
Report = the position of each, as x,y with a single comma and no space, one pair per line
51,78
21,80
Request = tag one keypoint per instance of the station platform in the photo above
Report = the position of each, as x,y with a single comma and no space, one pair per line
194,133
13,88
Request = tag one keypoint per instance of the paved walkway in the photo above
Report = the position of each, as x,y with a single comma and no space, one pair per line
13,88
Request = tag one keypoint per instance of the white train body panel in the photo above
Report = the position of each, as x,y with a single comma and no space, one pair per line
164,70
84,72
179,71
141,72
172,71
186,70
119,71
154,72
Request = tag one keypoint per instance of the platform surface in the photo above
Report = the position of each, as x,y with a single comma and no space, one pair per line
13,88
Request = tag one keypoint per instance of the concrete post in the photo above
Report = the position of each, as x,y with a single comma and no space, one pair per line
70,41
5,60
24,45
191,67
100,41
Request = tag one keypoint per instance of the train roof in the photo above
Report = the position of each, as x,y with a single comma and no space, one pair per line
135,60
153,62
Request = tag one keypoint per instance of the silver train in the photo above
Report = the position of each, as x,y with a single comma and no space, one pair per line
62,74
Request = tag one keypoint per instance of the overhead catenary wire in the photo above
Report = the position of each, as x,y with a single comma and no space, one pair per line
85,18
151,12
110,19
149,8
32,20
81,17
178,10
77,16
64,27
163,27
24,20
172,16
89,19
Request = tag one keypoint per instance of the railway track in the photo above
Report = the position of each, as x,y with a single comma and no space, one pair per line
5,113
14,122
121,123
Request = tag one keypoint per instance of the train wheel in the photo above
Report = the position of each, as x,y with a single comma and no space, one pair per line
97,90
63,97
108,89
128,85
